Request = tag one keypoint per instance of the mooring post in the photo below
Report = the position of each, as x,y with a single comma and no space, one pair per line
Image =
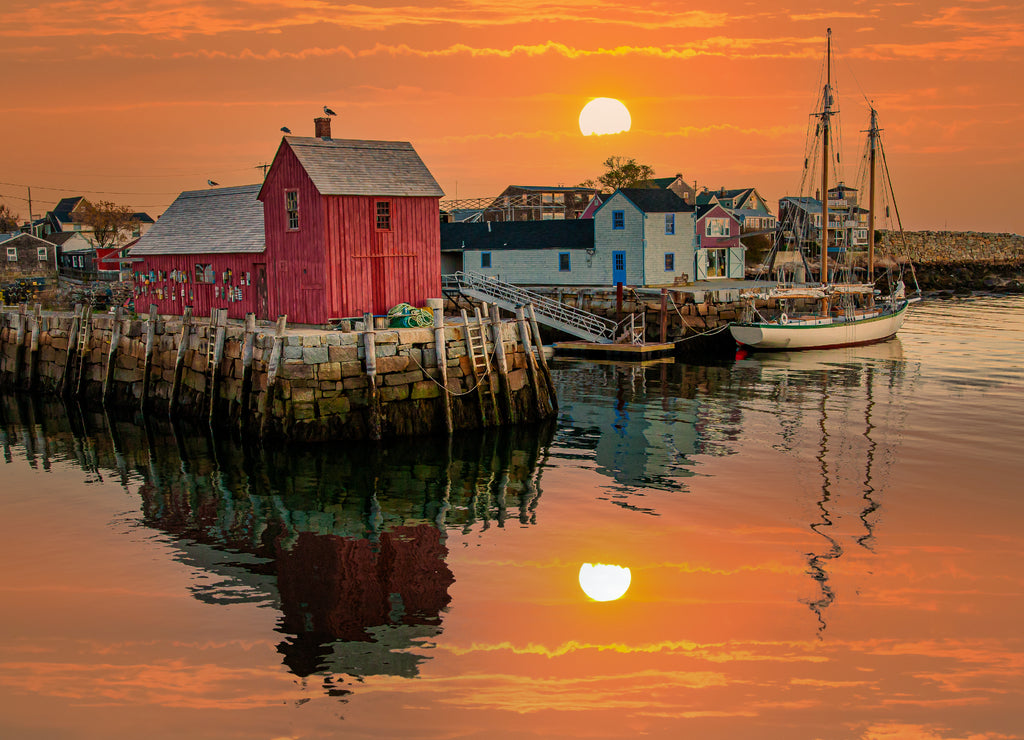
664,315
179,360
531,360
543,360
436,306
499,356
266,407
147,361
115,341
33,350
247,351
19,342
62,384
370,360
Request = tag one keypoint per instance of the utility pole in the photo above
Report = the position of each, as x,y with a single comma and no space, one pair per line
31,226
263,167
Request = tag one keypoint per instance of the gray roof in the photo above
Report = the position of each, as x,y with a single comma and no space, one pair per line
501,235
356,167
217,220
654,200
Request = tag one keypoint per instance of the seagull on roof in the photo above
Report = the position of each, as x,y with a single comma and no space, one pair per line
286,129
329,112
212,184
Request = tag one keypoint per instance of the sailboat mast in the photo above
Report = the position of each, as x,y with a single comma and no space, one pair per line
872,146
825,123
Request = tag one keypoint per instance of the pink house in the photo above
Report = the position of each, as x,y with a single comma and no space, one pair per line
719,253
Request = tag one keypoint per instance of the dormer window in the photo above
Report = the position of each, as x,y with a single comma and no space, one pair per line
291,207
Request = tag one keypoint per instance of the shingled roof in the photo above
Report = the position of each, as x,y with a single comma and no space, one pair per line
358,167
654,200
500,235
218,220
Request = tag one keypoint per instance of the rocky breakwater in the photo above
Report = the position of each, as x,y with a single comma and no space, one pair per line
274,381
953,261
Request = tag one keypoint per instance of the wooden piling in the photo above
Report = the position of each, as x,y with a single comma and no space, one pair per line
370,360
115,341
19,339
147,360
266,406
33,351
436,305
179,360
248,342
543,360
531,360
664,315
502,367
62,383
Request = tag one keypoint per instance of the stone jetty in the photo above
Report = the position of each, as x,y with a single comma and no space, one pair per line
467,372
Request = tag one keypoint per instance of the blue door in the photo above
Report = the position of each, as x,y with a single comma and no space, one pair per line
618,268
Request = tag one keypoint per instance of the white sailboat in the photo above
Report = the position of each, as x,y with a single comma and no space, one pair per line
826,314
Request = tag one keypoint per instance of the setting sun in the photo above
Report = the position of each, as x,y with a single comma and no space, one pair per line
604,116
604,582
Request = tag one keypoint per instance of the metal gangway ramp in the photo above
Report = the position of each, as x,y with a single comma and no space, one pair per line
574,321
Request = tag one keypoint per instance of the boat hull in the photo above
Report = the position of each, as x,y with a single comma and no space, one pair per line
835,333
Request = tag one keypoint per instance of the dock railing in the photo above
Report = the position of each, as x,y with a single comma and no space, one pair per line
574,321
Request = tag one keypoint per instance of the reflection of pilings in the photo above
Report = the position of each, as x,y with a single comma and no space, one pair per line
816,563
866,540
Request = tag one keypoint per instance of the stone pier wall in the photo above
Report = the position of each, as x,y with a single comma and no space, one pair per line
323,386
928,247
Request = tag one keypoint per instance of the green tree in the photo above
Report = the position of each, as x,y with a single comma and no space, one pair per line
622,173
110,223
8,220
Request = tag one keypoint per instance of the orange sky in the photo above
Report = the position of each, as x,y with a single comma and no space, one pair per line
136,100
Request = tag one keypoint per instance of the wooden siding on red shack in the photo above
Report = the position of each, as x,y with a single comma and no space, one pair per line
296,256
373,269
368,234
170,282
338,228
206,251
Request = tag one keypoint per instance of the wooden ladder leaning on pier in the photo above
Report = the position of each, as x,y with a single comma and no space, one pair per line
82,347
480,363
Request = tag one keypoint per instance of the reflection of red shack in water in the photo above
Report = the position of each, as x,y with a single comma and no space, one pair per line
348,545
337,587
342,589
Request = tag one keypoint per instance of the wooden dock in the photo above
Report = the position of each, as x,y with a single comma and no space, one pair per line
628,352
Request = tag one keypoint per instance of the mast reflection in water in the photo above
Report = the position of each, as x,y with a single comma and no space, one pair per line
347,542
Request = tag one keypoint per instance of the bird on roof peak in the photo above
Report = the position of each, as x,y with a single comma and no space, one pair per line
329,112
286,129
212,184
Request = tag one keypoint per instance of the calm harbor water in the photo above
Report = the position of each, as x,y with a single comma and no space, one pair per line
822,545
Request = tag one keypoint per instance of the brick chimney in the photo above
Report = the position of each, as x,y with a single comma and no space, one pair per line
322,128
